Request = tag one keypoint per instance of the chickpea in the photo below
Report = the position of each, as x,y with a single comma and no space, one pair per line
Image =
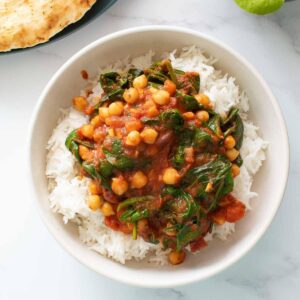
170,86
94,188
229,142
235,169
202,115
133,138
176,257
232,154
87,131
138,180
84,152
116,108
203,99
188,115
149,135
171,176
96,121
140,82
131,95
107,209
119,186
94,202
103,113
161,97
80,103
142,225
133,125
152,90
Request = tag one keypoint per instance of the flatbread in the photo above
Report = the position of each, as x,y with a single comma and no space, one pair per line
25,23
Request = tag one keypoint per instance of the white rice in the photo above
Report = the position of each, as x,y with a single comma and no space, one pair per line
68,194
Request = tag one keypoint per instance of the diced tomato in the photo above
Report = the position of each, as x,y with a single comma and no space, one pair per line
89,110
170,86
115,121
112,222
99,134
227,199
235,211
110,196
219,216
198,244
231,210
79,133
133,124
156,203
126,228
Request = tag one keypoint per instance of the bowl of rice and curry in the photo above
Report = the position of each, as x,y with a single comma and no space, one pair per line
156,158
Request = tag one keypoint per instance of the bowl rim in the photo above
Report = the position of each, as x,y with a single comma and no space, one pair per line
223,264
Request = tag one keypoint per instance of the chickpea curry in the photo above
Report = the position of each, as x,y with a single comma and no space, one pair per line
162,161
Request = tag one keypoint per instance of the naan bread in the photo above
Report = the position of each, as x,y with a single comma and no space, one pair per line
25,23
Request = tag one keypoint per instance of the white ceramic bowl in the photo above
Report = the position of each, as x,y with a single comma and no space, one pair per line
269,183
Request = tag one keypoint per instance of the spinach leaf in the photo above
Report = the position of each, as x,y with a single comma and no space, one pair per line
188,102
201,137
172,119
217,172
134,211
178,158
92,171
115,94
116,147
156,76
212,171
187,234
110,81
105,168
116,158
132,215
238,161
192,207
214,124
134,231
72,145
187,136
133,73
160,71
133,201
150,121
190,83
171,71
239,132
120,161
195,81
233,125
114,84
84,143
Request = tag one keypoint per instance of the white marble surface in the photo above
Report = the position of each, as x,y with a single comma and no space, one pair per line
34,266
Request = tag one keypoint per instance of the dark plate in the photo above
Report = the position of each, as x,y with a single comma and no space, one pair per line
97,9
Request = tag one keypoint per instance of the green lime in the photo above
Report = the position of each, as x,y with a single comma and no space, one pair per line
260,7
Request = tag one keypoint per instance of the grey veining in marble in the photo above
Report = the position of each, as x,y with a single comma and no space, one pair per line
34,266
